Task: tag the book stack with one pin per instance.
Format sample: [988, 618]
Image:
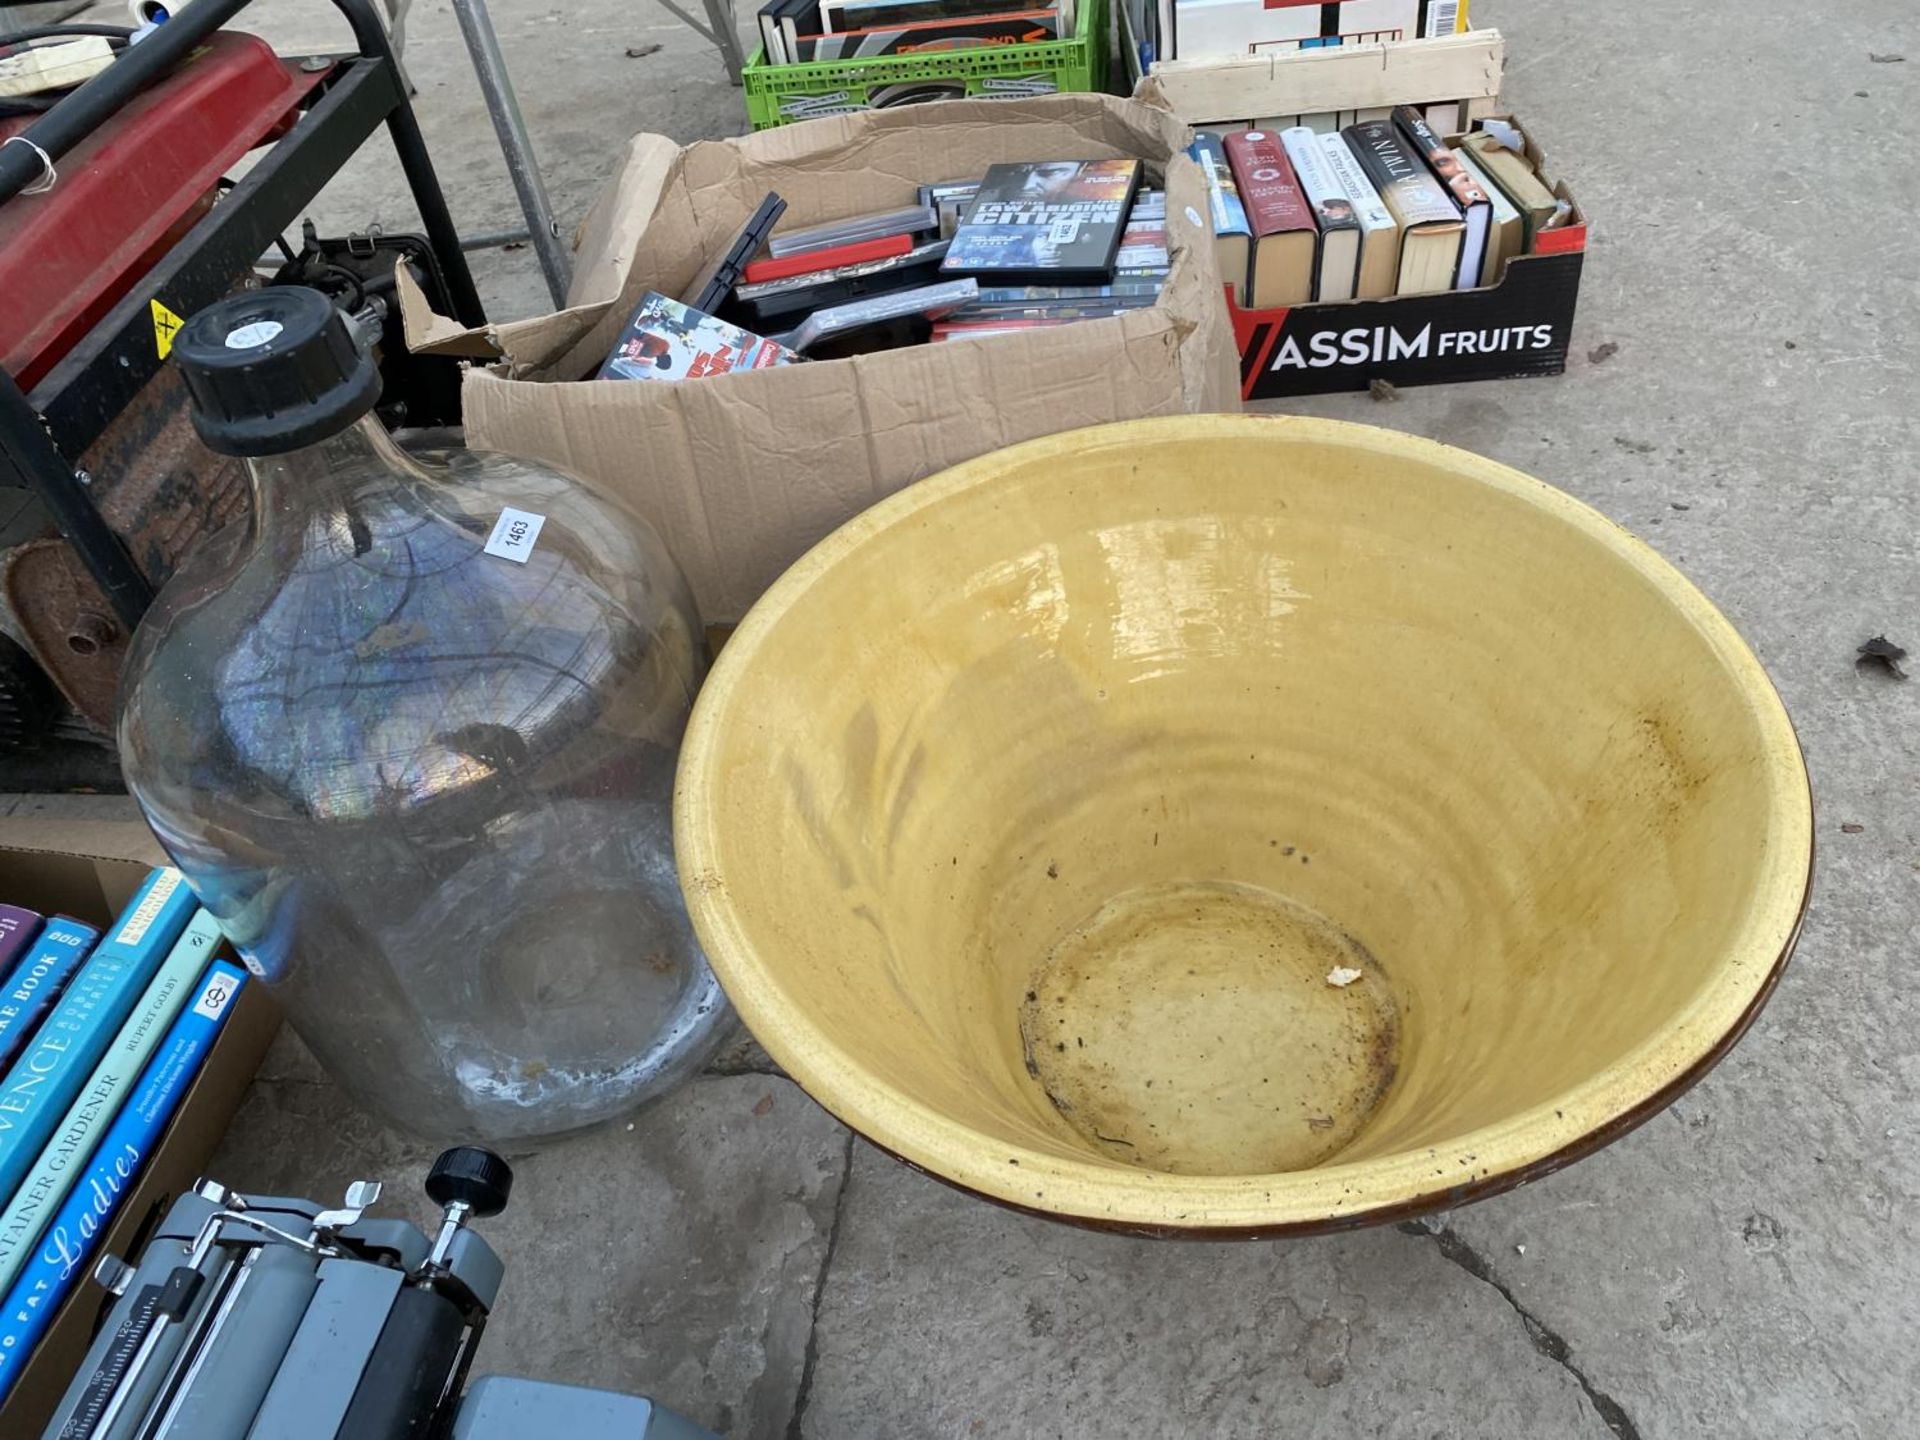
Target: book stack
[100, 1039]
[1020, 247]
[1382, 208]
[797, 32]
[1206, 29]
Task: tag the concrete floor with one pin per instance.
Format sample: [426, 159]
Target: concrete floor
[1747, 1264]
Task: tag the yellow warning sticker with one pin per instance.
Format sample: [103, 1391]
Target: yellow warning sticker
[166, 325]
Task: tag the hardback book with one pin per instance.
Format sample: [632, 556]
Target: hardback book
[772, 40]
[37, 979]
[838, 17]
[711, 287]
[65, 1253]
[1507, 237]
[1431, 228]
[666, 340]
[1232, 234]
[1257, 27]
[814, 262]
[70, 1146]
[1337, 276]
[935, 37]
[1286, 242]
[1379, 231]
[18, 926]
[1045, 223]
[929, 300]
[1466, 191]
[1513, 172]
[55, 1064]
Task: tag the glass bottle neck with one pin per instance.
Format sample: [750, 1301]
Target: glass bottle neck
[324, 477]
[329, 471]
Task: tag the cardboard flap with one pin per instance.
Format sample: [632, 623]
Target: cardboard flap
[430, 333]
[608, 239]
[93, 839]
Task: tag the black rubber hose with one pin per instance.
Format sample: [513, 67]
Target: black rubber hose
[62, 32]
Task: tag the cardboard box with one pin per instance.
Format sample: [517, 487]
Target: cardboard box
[742, 473]
[1517, 328]
[1464, 70]
[90, 870]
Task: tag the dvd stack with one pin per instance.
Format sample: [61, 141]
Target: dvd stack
[1022, 247]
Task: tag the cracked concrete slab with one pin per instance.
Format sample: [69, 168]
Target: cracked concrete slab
[675, 1256]
[945, 1316]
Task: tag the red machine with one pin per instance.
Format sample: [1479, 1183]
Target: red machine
[130, 191]
[118, 222]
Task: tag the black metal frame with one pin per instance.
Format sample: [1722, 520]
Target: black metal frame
[96, 380]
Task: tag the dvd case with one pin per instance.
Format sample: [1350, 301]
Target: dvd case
[910, 220]
[932, 300]
[1051, 222]
[666, 340]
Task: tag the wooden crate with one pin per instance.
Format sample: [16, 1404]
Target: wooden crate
[1463, 69]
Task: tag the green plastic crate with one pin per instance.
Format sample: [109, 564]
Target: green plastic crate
[782, 94]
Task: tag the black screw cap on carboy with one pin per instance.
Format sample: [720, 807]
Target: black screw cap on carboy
[479, 1178]
[273, 370]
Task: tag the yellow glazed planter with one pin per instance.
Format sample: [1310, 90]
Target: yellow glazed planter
[1241, 826]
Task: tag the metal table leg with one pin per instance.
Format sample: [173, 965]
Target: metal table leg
[719, 30]
[490, 67]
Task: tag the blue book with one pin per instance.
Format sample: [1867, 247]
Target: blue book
[66, 1250]
[37, 981]
[54, 1067]
[67, 1153]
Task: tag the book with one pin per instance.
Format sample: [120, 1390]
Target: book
[1431, 229]
[1258, 27]
[934, 37]
[18, 926]
[56, 1062]
[666, 340]
[1507, 237]
[813, 262]
[1474, 206]
[1232, 234]
[70, 1147]
[1513, 173]
[782, 22]
[908, 220]
[772, 37]
[877, 310]
[840, 16]
[62, 1259]
[1379, 231]
[1286, 242]
[37, 980]
[1049, 222]
[1337, 276]
[711, 287]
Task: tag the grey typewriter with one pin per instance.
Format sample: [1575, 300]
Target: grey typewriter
[254, 1318]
